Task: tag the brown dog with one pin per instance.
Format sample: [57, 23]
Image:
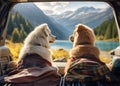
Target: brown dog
[83, 39]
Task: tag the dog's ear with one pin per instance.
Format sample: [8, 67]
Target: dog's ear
[46, 30]
[71, 38]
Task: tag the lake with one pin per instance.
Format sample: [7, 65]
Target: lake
[102, 45]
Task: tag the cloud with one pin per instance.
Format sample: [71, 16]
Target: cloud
[64, 4]
[56, 7]
[59, 7]
[53, 3]
[43, 6]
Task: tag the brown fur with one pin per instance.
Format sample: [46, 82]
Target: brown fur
[83, 39]
[82, 35]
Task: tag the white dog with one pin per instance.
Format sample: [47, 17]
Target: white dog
[37, 42]
[35, 64]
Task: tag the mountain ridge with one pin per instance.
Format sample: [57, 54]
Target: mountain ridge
[92, 19]
[63, 25]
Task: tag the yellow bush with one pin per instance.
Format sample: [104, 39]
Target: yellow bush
[14, 49]
[57, 53]
[105, 59]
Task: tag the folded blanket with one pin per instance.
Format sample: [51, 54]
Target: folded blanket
[88, 71]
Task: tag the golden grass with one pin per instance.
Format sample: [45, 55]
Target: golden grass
[14, 49]
[56, 53]
[105, 59]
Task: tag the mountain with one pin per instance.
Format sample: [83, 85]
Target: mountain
[87, 9]
[36, 17]
[85, 15]
[62, 25]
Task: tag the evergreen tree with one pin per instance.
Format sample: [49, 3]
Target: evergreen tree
[23, 34]
[15, 36]
[10, 24]
[108, 32]
[115, 31]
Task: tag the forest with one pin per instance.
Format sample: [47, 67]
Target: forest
[18, 27]
[107, 30]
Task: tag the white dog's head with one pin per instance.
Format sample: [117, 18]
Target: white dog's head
[41, 35]
[44, 31]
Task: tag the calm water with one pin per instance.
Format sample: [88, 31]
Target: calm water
[102, 45]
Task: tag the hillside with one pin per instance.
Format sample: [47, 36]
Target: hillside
[36, 17]
[107, 30]
[18, 27]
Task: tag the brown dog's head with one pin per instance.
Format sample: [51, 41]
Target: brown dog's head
[82, 35]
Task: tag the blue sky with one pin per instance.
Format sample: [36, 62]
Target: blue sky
[59, 7]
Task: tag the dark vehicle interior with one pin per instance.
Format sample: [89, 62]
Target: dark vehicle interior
[7, 5]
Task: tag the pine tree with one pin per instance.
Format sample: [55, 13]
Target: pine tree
[15, 36]
[115, 33]
[23, 34]
[108, 33]
[10, 24]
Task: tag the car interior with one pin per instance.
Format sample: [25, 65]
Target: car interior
[13, 12]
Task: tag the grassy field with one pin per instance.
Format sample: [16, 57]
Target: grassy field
[56, 53]
[14, 48]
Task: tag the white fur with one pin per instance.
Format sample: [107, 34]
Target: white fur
[115, 51]
[40, 35]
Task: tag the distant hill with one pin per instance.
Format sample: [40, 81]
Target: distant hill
[107, 30]
[36, 17]
[86, 15]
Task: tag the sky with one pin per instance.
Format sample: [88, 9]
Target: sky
[59, 7]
